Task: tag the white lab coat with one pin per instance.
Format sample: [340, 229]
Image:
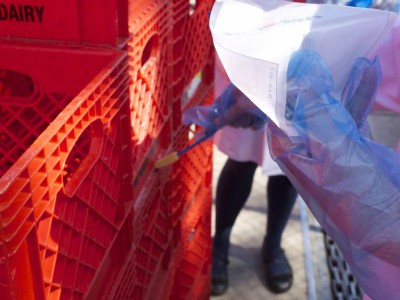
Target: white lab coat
[242, 144]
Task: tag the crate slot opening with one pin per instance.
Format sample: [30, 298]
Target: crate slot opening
[83, 157]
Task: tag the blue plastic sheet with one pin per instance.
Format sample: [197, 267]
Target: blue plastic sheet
[350, 183]
[360, 3]
[389, 5]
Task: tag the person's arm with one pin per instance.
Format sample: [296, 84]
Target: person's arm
[232, 108]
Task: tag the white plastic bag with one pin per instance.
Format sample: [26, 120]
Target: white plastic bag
[255, 38]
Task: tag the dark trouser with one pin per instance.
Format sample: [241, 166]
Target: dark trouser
[233, 189]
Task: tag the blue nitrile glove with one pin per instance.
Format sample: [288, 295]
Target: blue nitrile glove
[232, 108]
[350, 183]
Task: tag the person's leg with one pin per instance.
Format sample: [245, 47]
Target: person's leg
[233, 189]
[281, 198]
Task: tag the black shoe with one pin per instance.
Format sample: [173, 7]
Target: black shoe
[278, 272]
[219, 275]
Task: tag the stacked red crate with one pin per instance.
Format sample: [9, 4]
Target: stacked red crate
[192, 278]
[136, 266]
[150, 71]
[192, 52]
[65, 155]
[85, 114]
[192, 80]
[36, 83]
[63, 200]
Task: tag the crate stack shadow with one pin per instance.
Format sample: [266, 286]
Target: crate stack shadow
[91, 95]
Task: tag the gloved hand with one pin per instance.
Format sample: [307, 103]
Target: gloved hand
[232, 108]
[350, 183]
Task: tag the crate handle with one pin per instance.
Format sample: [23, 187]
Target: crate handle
[150, 54]
[16, 88]
[88, 162]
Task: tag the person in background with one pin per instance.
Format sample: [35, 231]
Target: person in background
[246, 150]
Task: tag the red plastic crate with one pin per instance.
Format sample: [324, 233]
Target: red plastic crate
[147, 230]
[149, 255]
[65, 21]
[188, 172]
[198, 92]
[194, 92]
[191, 43]
[187, 176]
[150, 241]
[192, 279]
[36, 83]
[83, 212]
[157, 80]
[149, 51]
[65, 199]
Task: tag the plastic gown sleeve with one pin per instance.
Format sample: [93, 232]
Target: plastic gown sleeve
[350, 183]
[232, 108]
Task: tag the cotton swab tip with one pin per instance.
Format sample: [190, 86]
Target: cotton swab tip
[167, 160]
